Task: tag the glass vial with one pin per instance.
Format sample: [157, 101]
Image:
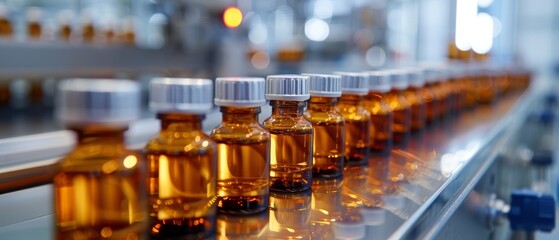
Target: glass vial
[415, 98]
[34, 27]
[6, 27]
[401, 109]
[434, 100]
[328, 125]
[99, 191]
[243, 170]
[291, 134]
[381, 114]
[181, 161]
[65, 18]
[357, 119]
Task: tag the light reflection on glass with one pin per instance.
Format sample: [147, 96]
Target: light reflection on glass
[326, 203]
[290, 215]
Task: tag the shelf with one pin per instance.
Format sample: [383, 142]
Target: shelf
[409, 195]
[40, 60]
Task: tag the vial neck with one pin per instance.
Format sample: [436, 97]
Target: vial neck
[240, 115]
[322, 104]
[351, 99]
[180, 122]
[100, 134]
[288, 108]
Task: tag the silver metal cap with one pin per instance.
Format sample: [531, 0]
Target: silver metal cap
[398, 79]
[287, 87]
[324, 85]
[379, 81]
[239, 92]
[415, 77]
[103, 101]
[185, 95]
[354, 83]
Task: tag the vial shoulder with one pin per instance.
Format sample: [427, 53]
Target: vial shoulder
[330, 117]
[192, 143]
[245, 132]
[299, 124]
[97, 160]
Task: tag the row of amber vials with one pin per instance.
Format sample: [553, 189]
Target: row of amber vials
[100, 190]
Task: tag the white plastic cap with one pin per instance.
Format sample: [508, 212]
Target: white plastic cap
[324, 85]
[415, 77]
[379, 81]
[185, 95]
[354, 83]
[103, 101]
[239, 92]
[287, 87]
[398, 79]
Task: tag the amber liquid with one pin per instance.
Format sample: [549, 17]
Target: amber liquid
[290, 215]
[381, 124]
[291, 160]
[431, 104]
[401, 127]
[402, 118]
[88, 32]
[104, 203]
[417, 109]
[34, 30]
[328, 161]
[65, 32]
[485, 89]
[243, 175]
[357, 141]
[182, 194]
[5, 28]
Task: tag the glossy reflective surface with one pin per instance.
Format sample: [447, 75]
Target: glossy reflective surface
[378, 200]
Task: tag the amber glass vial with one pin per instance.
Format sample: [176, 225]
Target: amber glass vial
[99, 191]
[414, 96]
[434, 100]
[328, 125]
[34, 27]
[181, 161]
[357, 119]
[291, 134]
[469, 85]
[486, 89]
[243, 170]
[381, 113]
[6, 28]
[65, 18]
[398, 102]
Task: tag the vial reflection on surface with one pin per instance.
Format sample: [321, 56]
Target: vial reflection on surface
[242, 227]
[290, 215]
[326, 206]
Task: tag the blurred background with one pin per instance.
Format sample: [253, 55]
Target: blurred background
[43, 41]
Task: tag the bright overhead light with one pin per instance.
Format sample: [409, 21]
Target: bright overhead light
[232, 17]
[466, 12]
[316, 29]
[482, 40]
